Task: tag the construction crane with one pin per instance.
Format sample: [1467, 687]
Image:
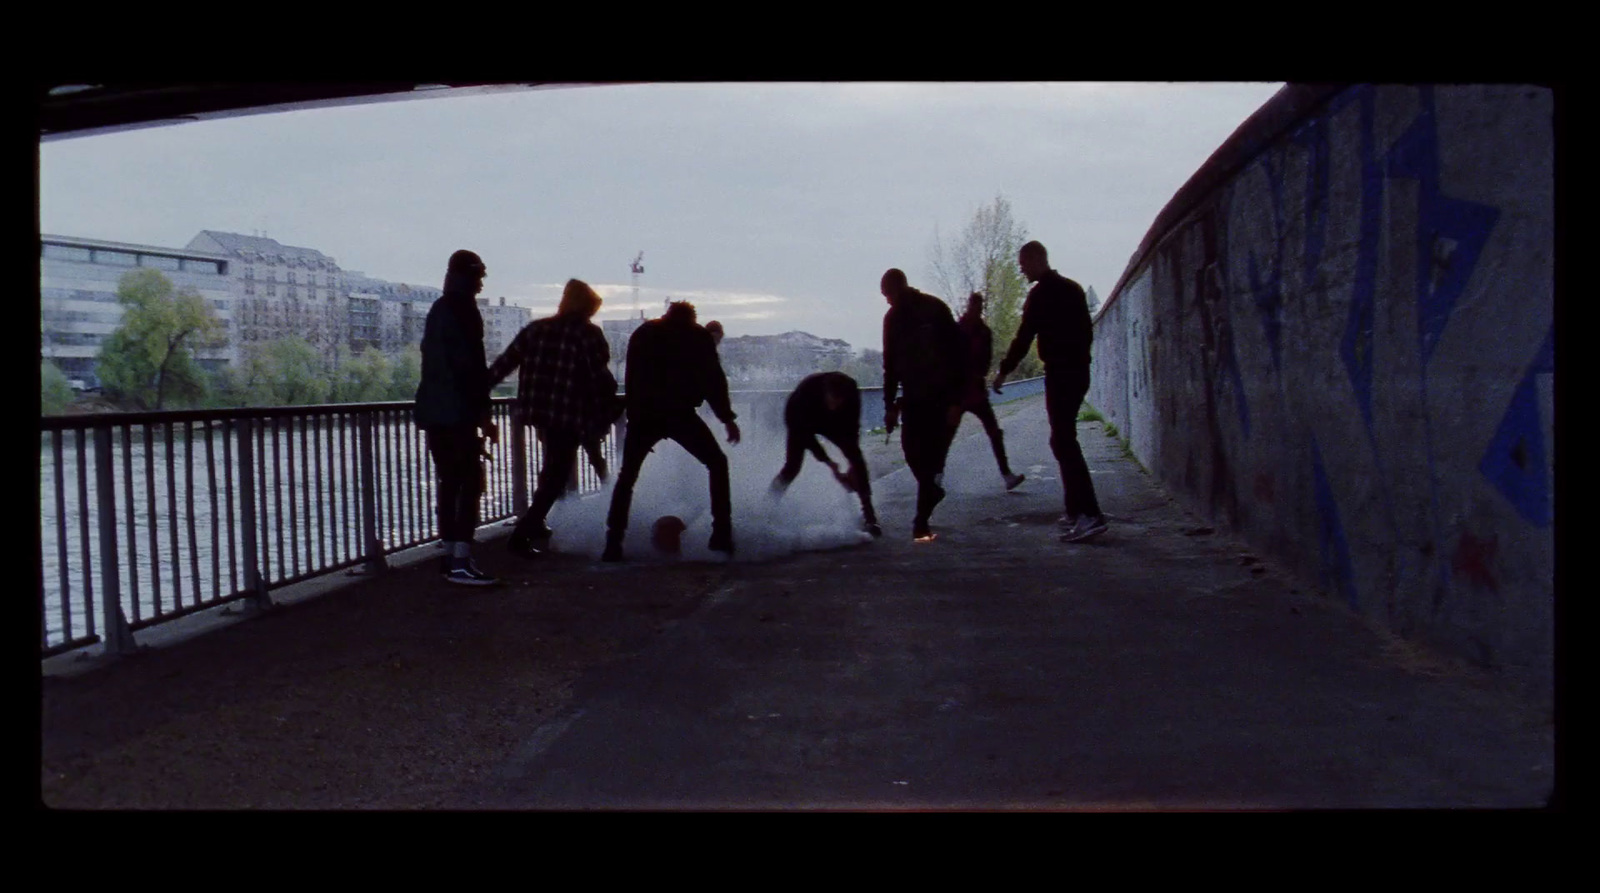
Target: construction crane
[637, 267]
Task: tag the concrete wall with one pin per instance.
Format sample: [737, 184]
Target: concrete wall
[1338, 341]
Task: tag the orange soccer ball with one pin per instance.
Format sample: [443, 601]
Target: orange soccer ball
[666, 534]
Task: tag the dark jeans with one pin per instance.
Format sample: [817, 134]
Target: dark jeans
[459, 472]
[1063, 394]
[991, 427]
[690, 431]
[560, 450]
[848, 440]
[925, 436]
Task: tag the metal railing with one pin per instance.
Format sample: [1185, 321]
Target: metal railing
[146, 517]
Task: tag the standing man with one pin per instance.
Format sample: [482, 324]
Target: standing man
[829, 404]
[974, 393]
[452, 406]
[924, 353]
[1058, 312]
[566, 392]
[672, 369]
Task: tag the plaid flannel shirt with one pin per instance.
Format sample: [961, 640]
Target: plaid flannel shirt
[565, 382]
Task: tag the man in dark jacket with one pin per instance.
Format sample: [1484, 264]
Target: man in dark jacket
[672, 369]
[924, 354]
[566, 391]
[975, 391]
[1057, 311]
[452, 406]
[829, 404]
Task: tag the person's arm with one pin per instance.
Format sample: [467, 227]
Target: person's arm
[1019, 344]
[508, 360]
[716, 385]
[891, 383]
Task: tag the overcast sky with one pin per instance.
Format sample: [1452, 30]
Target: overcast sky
[774, 207]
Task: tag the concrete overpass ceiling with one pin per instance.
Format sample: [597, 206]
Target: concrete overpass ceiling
[74, 110]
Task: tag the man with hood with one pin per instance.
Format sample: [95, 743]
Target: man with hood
[452, 406]
[565, 391]
[672, 369]
[924, 353]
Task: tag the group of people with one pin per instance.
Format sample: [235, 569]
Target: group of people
[934, 369]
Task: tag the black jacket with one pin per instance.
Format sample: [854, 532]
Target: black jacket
[454, 391]
[1057, 311]
[924, 351]
[672, 368]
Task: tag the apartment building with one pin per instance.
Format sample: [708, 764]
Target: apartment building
[78, 306]
[282, 291]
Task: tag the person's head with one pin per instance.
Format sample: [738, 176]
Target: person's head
[1033, 261]
[578, 299]
[715, 328]
[975, 304]
[892, 284]
[679, 313]
[465, 273]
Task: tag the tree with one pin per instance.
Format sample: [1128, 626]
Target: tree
[866, 368]
[151, 354]
[361, 378]
[55, 392]
[984, 259]
[289, 373]
[405, 373]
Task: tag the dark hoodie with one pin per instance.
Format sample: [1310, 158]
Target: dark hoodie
[673, 367]
[454, 391]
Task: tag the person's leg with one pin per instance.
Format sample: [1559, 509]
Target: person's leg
[850, 445]
[1064, 392]
[458, 468]
[997, 438]
[920, 440]
[636, 445]
[692, 433]
[560, 454]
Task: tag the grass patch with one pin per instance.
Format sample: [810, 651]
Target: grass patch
[1090, 414]
[1112, 430]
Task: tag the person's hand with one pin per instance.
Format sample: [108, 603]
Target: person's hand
[733, 432]
[491, 431]
[998, 380]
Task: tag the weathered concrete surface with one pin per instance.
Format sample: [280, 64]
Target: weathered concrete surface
[1343, 349]
[1159, 667]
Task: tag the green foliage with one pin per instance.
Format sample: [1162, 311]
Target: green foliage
[984, 259]
[288, 372]
[55, 393]
[405, 373]
[361, 378]
[149, 359]
[1090, 414]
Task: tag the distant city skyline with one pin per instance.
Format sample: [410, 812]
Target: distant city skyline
[774, 207]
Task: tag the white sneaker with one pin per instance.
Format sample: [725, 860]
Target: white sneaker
[1087, 526]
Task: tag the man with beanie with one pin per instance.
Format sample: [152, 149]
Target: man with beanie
[672, 369]
[566, 391]
[924, 353]
[452, 407]
[1057, 311]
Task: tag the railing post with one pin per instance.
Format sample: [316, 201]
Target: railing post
[372, 547]
[519, 463]
[118, 637]
[259, 599]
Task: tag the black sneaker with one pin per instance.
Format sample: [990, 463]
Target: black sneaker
[1014, 480]
[922, 533]
[874, 529]
[613, 551]
[469, 575]
[1088, 526]
[522, 547]
[721, 541]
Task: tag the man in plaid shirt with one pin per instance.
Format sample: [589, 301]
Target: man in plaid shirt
[566, 391]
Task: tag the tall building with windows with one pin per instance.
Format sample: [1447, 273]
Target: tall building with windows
[283, 291]
[78, 306]
[501, 323]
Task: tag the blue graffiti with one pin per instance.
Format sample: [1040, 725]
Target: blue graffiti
[1451, 233]
[1335, 550]
[1356, 347]
[1515, 462]
[1314, 138]
[1230, 366]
